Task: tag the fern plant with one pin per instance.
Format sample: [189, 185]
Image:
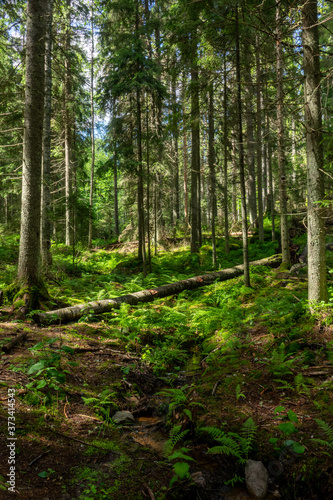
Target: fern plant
[232, 443]
[179, 402]
[328, 430]
[182, 468]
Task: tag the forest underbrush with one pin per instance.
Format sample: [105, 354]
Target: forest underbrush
[208, 378]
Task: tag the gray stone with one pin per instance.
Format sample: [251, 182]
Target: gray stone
[122, 416]
[199, 479]
[256, 478]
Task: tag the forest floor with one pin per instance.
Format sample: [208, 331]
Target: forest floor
[210, 377]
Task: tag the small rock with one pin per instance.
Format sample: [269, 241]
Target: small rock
[199, 479]
[256, 478]
[295, 269]
[122, 416]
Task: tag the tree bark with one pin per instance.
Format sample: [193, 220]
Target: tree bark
[241, 160]
[29, 252]
[92, 108]
[185, 157]
[68, 135]
[195, 151]
[259, 143]
[317, 286]
[251, 184]
[115, 195]
[46, 226]
[102, 306]
[212, 175]
[225, 157]
[280, 141]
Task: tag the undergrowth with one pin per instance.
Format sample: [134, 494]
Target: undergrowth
[224, 349]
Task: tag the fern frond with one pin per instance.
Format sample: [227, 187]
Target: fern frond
[322, 442]
[180, 454]
[248, 431]
[215, 432]
[327, 429]
[175, 436]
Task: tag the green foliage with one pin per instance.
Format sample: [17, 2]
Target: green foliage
[328, 430]
[103, 404]
[280, 362]
[47, 373]
[180, 402]
[287, 428]
[231, 443]
[181, 469]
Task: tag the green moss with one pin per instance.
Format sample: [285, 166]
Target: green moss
[285, 266]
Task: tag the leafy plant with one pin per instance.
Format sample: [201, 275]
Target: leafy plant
[103, 404]
[47, 371]
[287, 428]
[46, 473]
[179, 402]
[328, 430]
[181, 469]
[233, 444]
[280, 362]
[239, 393]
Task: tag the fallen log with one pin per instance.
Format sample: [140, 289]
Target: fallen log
[16, 340]
[74, 313]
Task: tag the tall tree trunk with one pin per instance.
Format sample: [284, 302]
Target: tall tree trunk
[317, 286]
[92, 110]
[68, 134]
[241, 160]
[225, 160]
[185, 159]
[175, 134]
[251, 185]
[29, 251]
[280, 141]
[211, 162]
[46, 225]
[195, 153]
[234, 182]
[270, 203]
[115, 195]
[259, 143]
[148, 188]
[141, 214]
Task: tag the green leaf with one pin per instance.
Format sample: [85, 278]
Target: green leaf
[298, 448]
[37, 347]
[70, 350]
[279, 409]
[287, 428]
[179, 454]
[41, 384]
[43, 474]
[173, 480]
[288, 442]
[273, 440]
[37, 366]
[188, 413]
[292, 416]
[181, 469]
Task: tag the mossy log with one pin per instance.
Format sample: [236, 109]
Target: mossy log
[74, 313]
